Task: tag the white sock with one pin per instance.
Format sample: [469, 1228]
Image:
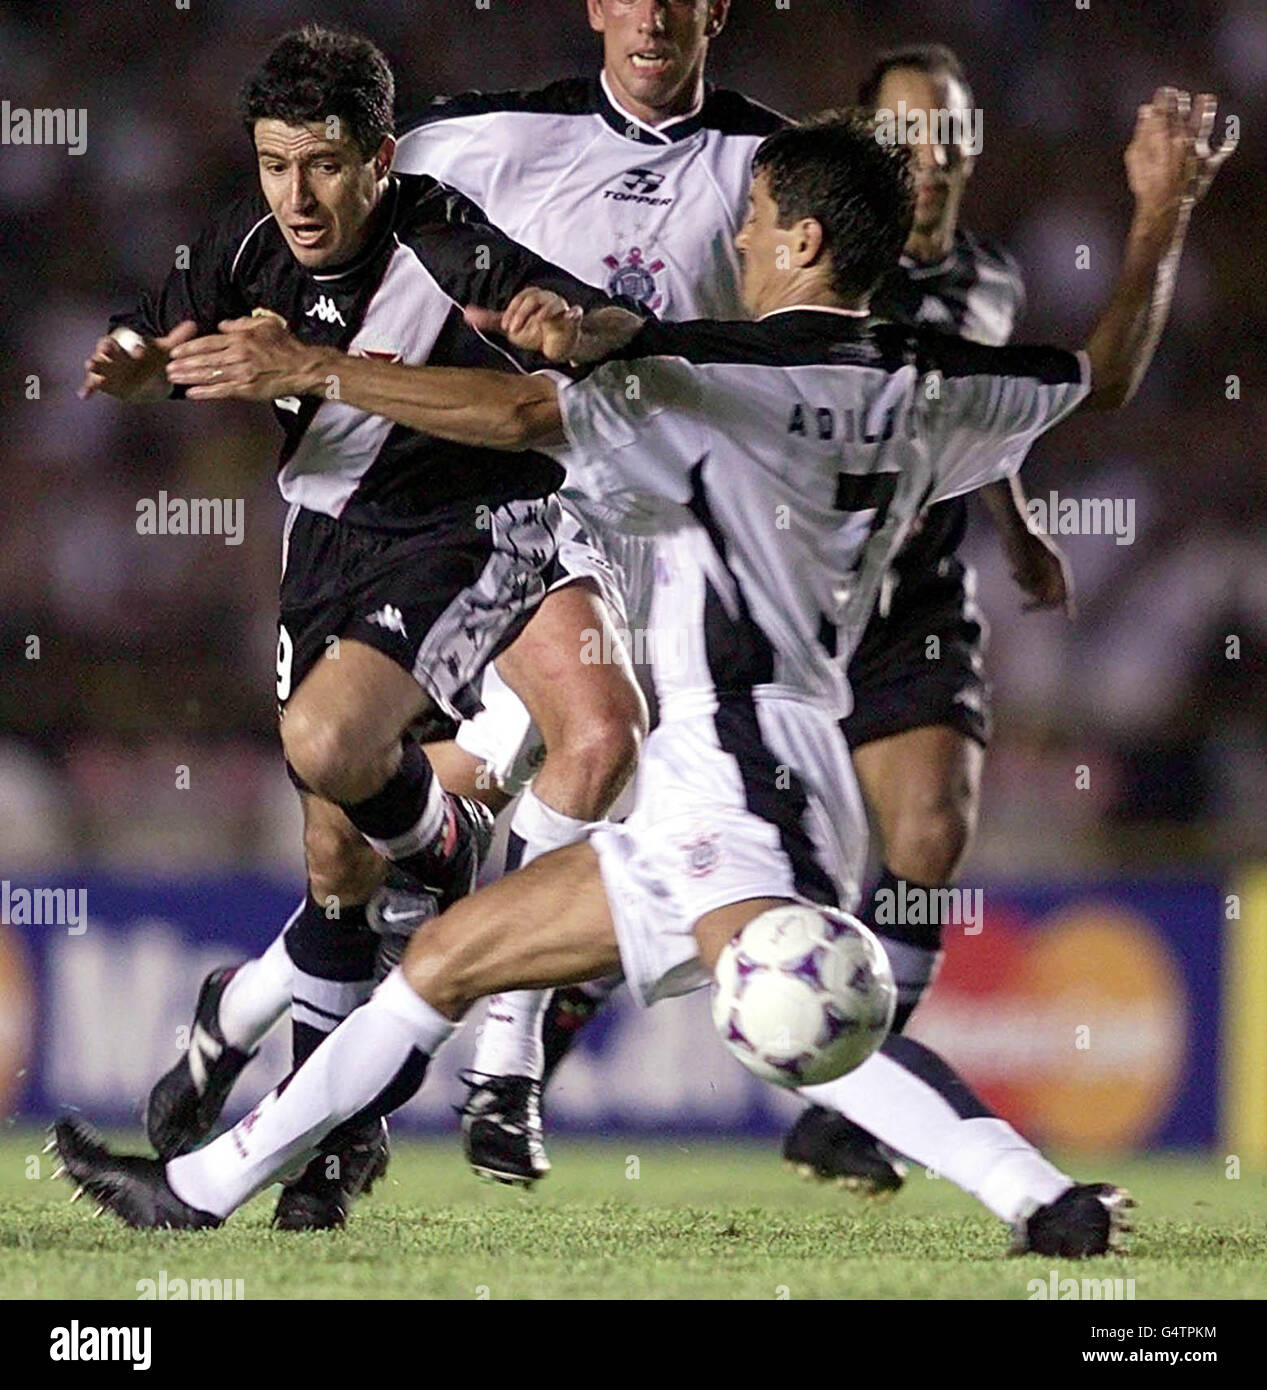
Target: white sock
[542, 828]
[350, 1068]
[509, 1041]
[257, 995]
[985, 1156]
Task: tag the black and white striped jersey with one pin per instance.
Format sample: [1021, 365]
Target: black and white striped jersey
[976, 292]
[646, 212]
[780, 465]
[401, 299]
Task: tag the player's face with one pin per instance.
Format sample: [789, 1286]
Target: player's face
[941, 171]
[321, 191]
[654, 50]
[764, 247]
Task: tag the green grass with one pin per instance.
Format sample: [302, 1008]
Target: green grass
[699, 1221]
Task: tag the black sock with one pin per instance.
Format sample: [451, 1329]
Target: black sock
[334, 972]
[410, 820]
[913, 949]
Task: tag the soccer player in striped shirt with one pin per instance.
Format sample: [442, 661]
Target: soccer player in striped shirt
[406, 558]
[635, 180]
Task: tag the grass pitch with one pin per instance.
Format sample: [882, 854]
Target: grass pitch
[630, 1220]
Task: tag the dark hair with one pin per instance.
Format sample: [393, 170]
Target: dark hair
[314, 73]
[933, 58]
[833, 168]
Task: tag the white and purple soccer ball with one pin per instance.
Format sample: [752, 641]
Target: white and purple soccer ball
[803, 995]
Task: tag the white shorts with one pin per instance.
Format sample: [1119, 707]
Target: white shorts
[757, 800]
[502, 735]
[630, 554]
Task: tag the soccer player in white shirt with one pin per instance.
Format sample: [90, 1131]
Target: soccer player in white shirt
[634, 180]
[700, 433]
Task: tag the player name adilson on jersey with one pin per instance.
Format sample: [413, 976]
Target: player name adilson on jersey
[45, 125]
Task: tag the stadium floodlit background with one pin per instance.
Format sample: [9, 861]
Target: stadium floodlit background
[1130, 907]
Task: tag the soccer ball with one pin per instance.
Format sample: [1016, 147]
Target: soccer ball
[803, 994]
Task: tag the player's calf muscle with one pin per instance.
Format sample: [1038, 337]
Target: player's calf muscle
[923, 787]
[462, 774]
[590, 761]
[340, 864]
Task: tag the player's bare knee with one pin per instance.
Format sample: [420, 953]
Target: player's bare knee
[612, 739]
[329, 754]
[596, 756]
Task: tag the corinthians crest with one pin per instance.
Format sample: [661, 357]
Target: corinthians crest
[703, 854]
[634, 278]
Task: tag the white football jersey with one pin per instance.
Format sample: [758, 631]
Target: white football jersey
[779, 465]
[647, 212]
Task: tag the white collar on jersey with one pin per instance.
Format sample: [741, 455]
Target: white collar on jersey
[663, 133]
[817, 309]
[386, 213]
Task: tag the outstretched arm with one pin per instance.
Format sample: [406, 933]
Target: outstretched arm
[259, 360]
[1037, 564]
[1170, 166]
[540, 321]
[495, 410]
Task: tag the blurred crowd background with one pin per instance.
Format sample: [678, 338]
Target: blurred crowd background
[158, 652]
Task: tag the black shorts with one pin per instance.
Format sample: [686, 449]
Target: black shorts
[901, 681]
[441, 600]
